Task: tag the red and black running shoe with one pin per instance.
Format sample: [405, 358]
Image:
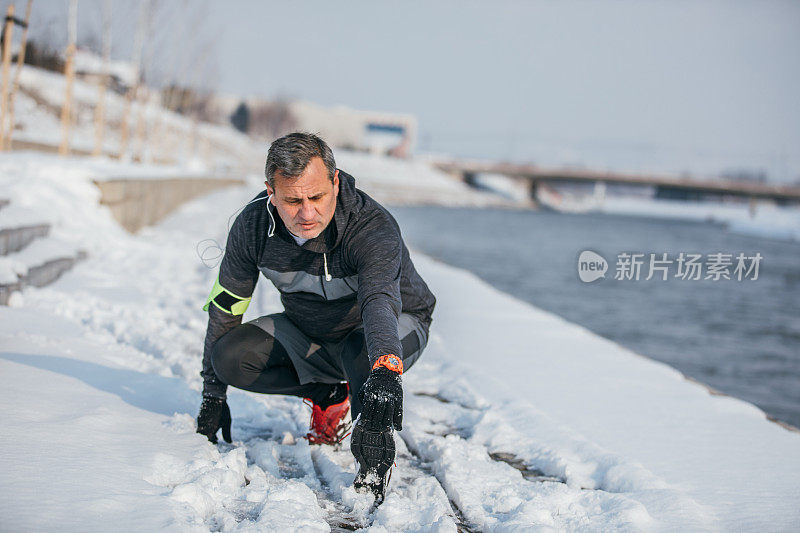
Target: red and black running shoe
[329, 425]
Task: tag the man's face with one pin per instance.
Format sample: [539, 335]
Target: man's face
[306, 203]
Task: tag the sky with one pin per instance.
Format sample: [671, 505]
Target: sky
[683, 86]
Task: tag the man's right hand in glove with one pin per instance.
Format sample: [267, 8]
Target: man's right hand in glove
[372, 442]
[382, 395]
[214, 415]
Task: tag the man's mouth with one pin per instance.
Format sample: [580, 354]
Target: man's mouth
[307, 225]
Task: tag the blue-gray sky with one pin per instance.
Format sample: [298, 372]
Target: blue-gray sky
[699, 86]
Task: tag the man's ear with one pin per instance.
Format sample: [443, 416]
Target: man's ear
[270, 190]
[336, 183]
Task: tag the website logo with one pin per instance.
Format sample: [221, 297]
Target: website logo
[591, 266]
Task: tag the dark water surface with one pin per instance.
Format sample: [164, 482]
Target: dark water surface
[741, 337]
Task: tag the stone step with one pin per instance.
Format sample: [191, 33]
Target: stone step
[15, 239]
[37, 265]
[19, 227]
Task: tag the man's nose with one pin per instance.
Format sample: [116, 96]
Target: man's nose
[307, 210]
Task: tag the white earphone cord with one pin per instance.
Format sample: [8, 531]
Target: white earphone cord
[212, 262]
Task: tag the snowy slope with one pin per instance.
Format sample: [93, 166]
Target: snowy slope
[515, 419]
[170, 136]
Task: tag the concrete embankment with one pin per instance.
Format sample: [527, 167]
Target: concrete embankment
[139, 202]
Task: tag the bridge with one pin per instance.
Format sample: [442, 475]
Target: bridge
[677, 187]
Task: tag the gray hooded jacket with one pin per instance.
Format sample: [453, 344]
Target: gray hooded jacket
[356, 272]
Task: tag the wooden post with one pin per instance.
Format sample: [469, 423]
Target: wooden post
[132, 93]
[15, 85]
[124, 125]
[160, 133]
[142, 125]
[69, 74]
[99, 111]
[66, 109]
[194, 138]
[139, 133]
[6, 64]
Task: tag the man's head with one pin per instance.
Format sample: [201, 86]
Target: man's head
[303, 181]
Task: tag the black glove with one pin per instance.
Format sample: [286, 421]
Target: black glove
[214, 414]
[382, 398]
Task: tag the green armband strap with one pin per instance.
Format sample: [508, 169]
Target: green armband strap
[226, 301]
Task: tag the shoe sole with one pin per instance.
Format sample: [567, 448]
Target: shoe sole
[374, 453]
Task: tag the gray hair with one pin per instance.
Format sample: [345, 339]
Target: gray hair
[291, 154]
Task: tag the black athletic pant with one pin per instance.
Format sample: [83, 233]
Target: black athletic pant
[250, 358]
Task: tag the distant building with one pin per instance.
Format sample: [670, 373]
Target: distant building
[369, 131]
[366, 131]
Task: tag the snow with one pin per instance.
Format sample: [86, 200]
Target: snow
[81, 438]
[721, 452]
[762, 220]
[13, 216]
[515, 419]
[515, 190]
[89, 62]
[398, 181]
[770, 222]
[36, 253]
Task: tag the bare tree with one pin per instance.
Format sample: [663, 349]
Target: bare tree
[270, 120]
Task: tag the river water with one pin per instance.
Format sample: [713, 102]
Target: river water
[740, 337]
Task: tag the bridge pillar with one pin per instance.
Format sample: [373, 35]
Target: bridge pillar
[470, 178]
[533, 186]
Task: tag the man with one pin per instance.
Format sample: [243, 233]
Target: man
[356, 313]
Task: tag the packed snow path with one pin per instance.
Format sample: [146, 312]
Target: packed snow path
[102, 388]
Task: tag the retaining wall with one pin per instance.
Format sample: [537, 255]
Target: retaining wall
[136, 203]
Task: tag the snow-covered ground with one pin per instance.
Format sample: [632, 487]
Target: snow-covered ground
[515, 418]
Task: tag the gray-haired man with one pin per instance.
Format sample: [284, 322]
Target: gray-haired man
[356, 313]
